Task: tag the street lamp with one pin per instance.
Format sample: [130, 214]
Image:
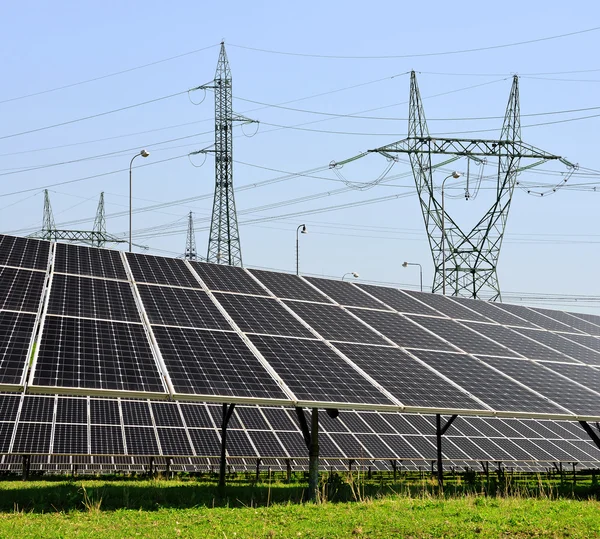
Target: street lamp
[298, 231]
[406, 264]
[353, 273]
[453, 175]
[143, 153]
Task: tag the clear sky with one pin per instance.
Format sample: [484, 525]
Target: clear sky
[551, 244]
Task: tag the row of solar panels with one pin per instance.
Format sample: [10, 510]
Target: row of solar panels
[137, 325]
[90, 426]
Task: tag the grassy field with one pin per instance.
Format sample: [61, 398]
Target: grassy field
[193, 508]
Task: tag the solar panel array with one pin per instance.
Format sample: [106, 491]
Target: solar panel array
[82, 321]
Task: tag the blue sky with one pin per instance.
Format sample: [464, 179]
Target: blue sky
[551, 242]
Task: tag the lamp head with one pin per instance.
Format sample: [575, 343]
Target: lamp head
[405, 264]
[355, 275]
[456, 174]
[144, 153]
[304, 231]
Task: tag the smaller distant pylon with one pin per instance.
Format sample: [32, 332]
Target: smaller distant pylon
[190, 244]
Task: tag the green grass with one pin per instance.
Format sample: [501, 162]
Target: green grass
[410, 507]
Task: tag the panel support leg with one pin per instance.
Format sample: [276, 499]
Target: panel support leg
[227, 413]
[26, 459]
[257, 470]
[440, 430]
[288, 466]
[395, 469]
[313, 455]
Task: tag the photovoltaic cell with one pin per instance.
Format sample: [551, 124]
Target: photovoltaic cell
[446, 306]
[535, 317]
[406, 379]
[79, 260]
[400, 446]
[488, 310]
[136, 413]
[227, 278]
[6, 431]
[572, 396]
[582, 374]
[213, 363]
[375, 446]
[267, 444]
[71, 410]
[587, 341]
[327, 448]
[205, 441]
[287, 286]
[350, 445]
[104, 412]
[16, 330]
[293, 444]
[95, 354]
[251, 418]
[160, 270]
[70, 439]
[261, 315]
[570, 320]
[496, 390]
[141, 441]
[85, 297]
[314, 372]
[279, 419]
[399, 423]
[20, 289]
[32, 438]
[517, 342]
[401, 330]
[196, 416]
[345, 293]
[591, 318]
[463, 338]
[24, 252]
[423, 446]
[557, 342]
[353, 422]
[174, 442]
[333, 323]
[216, 411]
[166, 414]
[181, 307]
[397, 299]
[376, 422]
[37, 409]
[9, 404]
[106, 440]
[238, 444]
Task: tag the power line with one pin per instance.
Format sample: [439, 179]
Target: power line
[418, 55]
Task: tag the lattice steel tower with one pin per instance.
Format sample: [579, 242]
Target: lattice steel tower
[224, 239]
[190, 242]
[465, 263]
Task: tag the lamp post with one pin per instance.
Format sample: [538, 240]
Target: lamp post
[298, 231]
[353, 273]
[143, 153]
[406, 264]
[453, 175]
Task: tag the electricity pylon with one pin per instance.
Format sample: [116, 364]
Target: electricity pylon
[465, 262]
[224, 238]
[190, 243]
[98, 237]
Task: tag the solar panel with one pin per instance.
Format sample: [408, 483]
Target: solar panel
[216, 411]
[181, 307]
[333, 323]
[16, 332]
[345, 293]
[350, 445]
[463, 338]
[238, 444]
[136, 413]
[104, 412]
[141, 441]
[6, 432]
[205, 441]
[423, 446]
[9, 405]
[565, 346]
[95, 354]
[32, 438]
[535, 317]
[517, 342]
[71, 410]
[491, 387]
[488, 310]
[70, 439]
[261, 315]
[174, 441]
[85, 297]
[266, 443]
[293, 442]
[252, 418]
[446, 306]
[279, 419]
[566, 393]
[406, 379]
[79, 260]
[24, 252]
[376, 422]
[375, 446]
[161, 270]
[196, 415]
[166, 414]
[397, 299]
[570, 320]
[287, 286]
[403, 331]
[353, 422]
[227, 278]
[38, 409]
[106, 440]
[582, 374]
[591, 318]
[315, 372]
[214, 363]
[584, 340]
[20, 289]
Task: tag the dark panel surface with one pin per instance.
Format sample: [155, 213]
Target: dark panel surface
[181, 307]
[86, 297]
[9, 404]
[401, 330]
[375, 446]
[6, 432]
[37, 409]
[571, 320]
[80, 260]
[106, 440]
[446, 306]
[261, 315]
[70, 439]
[251, 418]
[141, 441]
[96, 354]
[293, 443]
[206, 442]
[227, 278]
[32, 438]
[160, 270]
[24, 252]
[238, 444]
[213, 363]
[494, 389]
[287, 286]
[535, 317]
[344, 293]
[314, 372]
[16, 330]
[279, 419]
[71, 410]
[462, 337]
[267, 444]
[333, 323]
[376, 422]
[166, 414]
[174, 442]
[405, 378]
[351, 447]
[136, 413]
[488, 310]
[104, 412]
[196, 416]
[397, 299]
[400, 446]
[20, 289]
[572, 396]
[582, 374]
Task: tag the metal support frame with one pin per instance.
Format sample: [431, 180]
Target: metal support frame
[465, 262]
[590, 432]
[440, 430]
[227, 413]
[311, 439]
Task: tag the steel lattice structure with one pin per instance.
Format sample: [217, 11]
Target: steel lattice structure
[465, 262]
[224, 238]
[190, 243]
